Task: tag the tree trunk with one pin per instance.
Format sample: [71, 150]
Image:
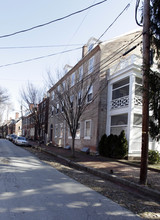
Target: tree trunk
[73, 142]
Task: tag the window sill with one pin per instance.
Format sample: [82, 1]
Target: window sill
[87, 138]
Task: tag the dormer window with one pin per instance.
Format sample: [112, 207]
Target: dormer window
[92, 43]
[90, 47]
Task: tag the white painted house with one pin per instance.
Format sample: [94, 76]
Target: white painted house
[125, 103]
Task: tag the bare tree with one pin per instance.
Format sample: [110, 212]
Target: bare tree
[49, 80]
[31, 97]
[71, 98]
[3, 96]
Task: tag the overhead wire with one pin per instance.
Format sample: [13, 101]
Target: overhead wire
[105, 60]
[38, 58]
[41, 57]
[136, 10]
[126, 7]
[62, 52]
[113, 55]
[38, 46]
[53, 21]
[76, 31]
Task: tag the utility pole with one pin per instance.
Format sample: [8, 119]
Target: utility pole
[145, 104]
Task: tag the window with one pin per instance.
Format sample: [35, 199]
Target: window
[87, 129]
[90, 47]
[78, 131]
[119, 120]
[52, 95]
[120, 89]
[80, 73]
[62, 107]
[72, 79]
[56, 130]
[118, 123]
[90, 94]
[69, 134]
[137, 119]
[61, 130]
[138, 86]
[63, 86]
[71, 100]
[91, 65]
[52, 110]
[57, 108]
[79, 98]
[58, 88]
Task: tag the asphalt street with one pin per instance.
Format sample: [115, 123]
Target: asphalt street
[32, 190]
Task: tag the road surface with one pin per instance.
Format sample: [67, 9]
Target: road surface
[32, 190]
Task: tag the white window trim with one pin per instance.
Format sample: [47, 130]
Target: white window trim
[127, 84]
[80, 73]
[79, 97]
[52, 95]
[63, 86]
[58, 88]
[73, 79]
[91, 65]
[90, 92]
[87, 137]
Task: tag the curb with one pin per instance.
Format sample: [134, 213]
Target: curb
[145, 190]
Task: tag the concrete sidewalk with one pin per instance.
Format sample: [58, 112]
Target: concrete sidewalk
[113, 170]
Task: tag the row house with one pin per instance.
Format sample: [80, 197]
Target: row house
[111, 73]
[35, 122]
[43, 119]
[11, 126]
[28, 126]
[18, 127]
[115, 97]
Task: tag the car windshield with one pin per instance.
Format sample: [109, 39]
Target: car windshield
[22, 138]
[13, 135]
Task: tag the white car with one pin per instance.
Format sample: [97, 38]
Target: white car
[21, 141]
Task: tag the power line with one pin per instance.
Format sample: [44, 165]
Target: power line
[53, 21]
[128, 5]
[78, 28]
[108, 61]
[113, 57]
[38, 58]
[136, 10]
[49, 55]
[39, 46]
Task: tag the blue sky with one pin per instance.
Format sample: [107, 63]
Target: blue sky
[18, 15]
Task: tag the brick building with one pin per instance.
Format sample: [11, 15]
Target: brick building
[115, 95]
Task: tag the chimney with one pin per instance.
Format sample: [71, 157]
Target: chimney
[84, 50]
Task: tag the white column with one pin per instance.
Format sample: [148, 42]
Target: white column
[131, 111]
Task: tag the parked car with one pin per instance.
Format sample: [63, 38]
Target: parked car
[21, 141]
[12, 137]
[8, 136]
